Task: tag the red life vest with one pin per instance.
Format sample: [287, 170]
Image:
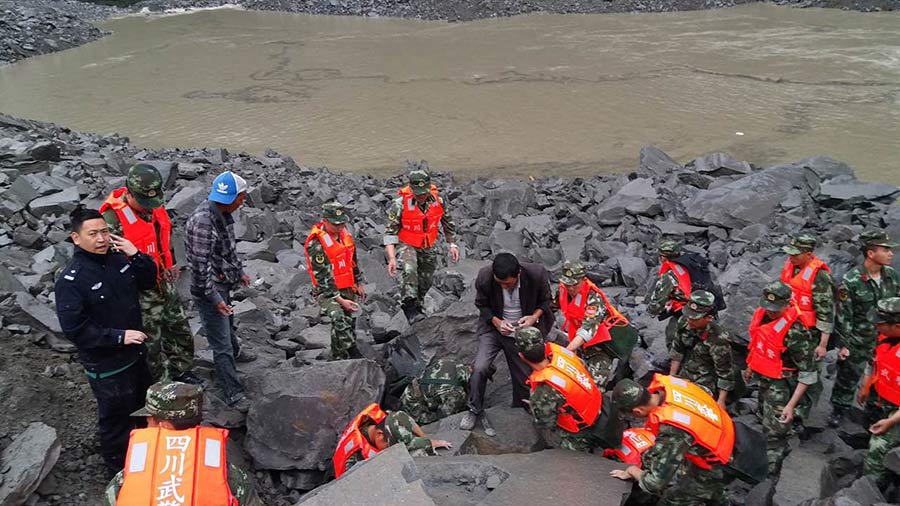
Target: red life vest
[340, 254]
[635, 441]
[886, 371]
[142, 233]
[688, 407]
[567, 375]
[414, 230]
[802, 285]
[684, 282]
[352, 440]
[165, 467]
[575, 310]
[767, 342]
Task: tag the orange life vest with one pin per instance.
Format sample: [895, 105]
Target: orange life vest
[575, 310]
[340, 254]
[635, 441]
[567, 375]
[802, 285]
[142, 233]
[165, 467]
[767, 342]
[688, 407]
[418, 229]
[352, 440]
[684, 282]
[886, 371]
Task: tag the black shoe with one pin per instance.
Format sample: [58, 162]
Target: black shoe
[834, 421]
[191, 378]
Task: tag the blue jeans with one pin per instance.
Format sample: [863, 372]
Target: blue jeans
[219, 330]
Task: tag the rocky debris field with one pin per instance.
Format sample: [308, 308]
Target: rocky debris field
[732, 211]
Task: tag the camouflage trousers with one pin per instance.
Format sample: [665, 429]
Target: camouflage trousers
[416, 268]
[849, 372]
[879, 446]
[427, 403]
[343, 325]
[696, 487]
[599, 364]
[170, 345]
[671, 328]
[773, 397]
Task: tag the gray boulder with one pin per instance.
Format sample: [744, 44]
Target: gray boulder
[892, 461]
[58, 203]
[800, 475]
[719, 164]
[26, 462]
[636, 197]
[864, 491]
[655, 162]
[845, 195]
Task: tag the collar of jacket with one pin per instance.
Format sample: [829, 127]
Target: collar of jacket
[93, 257]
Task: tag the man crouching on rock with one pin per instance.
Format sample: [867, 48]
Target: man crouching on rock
[567, 406]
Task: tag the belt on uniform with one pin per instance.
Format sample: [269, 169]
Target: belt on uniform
[104, 375]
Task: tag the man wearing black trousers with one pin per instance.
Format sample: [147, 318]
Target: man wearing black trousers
[508, 295]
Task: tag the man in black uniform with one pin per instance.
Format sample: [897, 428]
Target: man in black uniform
[98, 310]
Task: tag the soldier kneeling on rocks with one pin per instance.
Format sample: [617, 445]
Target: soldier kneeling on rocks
[440, 391]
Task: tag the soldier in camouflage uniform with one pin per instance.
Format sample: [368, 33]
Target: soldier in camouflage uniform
[398, 427]
[440, 391]
[701, 349]
[666, 291]
[337, 304]
[780, 399]
[666, 458]
[177, 406]
[885, 431]
[860, 289]
[411, 246]
[170, 345]
[546, 402]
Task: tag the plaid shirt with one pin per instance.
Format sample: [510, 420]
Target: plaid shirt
[210, 249]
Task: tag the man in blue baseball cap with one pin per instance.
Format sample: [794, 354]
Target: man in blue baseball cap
[216, 270]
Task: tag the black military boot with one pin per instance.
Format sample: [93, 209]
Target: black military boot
[837, 415]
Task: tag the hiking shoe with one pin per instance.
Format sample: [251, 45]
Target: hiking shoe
[245, 356]
[239, 403]
[191, 378]
[486, 425]
[468, 421]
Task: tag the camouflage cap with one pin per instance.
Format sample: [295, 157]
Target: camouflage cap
[800, 243]
[145, 184]
[527, 338]
[888, 310]
[172, 401]
[335, 212]
[669, 248]
[699, 305]
[628, 395]
[776, 296]
[420, 182]
[572, 272]
[876, 238]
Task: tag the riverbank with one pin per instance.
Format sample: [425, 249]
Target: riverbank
[33, 27]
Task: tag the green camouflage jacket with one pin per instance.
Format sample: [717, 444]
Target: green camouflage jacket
[857, 296]
[399, 429]
[441, 388]
[324, 273]
[391, 233]
[662, 461]
[666, 289]
[705, 356]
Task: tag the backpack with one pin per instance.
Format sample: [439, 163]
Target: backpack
[701, 278]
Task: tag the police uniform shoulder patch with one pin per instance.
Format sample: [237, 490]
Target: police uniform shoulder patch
[71, 272]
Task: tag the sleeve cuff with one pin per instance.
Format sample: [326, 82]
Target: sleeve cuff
[675, 356]
[826, 327]
[391, 239]
[583, 334]
[808, 377]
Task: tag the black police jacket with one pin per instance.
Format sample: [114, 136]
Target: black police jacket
[97, 301]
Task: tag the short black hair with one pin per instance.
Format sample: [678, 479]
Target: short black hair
[505, 266]
[80, 215]
[535, 354]
[186, 423]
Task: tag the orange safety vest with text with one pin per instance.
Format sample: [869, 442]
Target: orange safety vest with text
[567, 375]
[635, 441]
[352, 440]
[767, 342]
[165, 467]
[802, 285]
[886, 371]
[142, 233]
[684, 282]
[576, 309]
[340, 254]
[688, 407]
[418, 229]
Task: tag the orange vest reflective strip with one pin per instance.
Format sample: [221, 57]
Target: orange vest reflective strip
[886, 371]
[684, 282]
[767, 342]
[340, 254]
[142, 233]
[176, 467]
[802, 285]
[418, 229]
[688, 407]
[352, 440]
[567, 375]
[635, 441]
[575, 309]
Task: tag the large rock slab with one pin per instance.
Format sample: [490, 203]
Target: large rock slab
[636, 197]
[26, 462]
[297, 414]
[848, 194]
[800, 475]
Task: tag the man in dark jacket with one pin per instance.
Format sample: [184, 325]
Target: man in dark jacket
[508, 295]
[98, 309]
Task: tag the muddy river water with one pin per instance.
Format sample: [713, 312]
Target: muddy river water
[530, 95]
